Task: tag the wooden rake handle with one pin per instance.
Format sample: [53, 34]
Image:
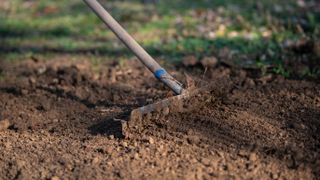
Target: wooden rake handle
[142, 55]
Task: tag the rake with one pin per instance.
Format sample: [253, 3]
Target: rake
[138, 117]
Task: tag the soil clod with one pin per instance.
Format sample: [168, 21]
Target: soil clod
[70, 120]
[4, 124]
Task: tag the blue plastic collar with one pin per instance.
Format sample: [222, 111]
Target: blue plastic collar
[159, 73]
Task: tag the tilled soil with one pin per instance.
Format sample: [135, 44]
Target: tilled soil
[63, 119]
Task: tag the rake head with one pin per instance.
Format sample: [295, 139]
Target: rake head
[142, 118]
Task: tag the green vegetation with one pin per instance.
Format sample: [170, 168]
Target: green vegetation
[266, 34]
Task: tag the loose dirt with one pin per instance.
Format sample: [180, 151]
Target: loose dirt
[62, 119]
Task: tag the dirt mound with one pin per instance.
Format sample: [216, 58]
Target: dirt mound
[65, 120]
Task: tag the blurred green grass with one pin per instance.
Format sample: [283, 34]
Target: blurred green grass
[254, 31]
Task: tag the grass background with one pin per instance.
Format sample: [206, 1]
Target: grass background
[257, 34]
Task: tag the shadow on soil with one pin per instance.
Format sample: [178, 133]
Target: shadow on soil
[292, 138]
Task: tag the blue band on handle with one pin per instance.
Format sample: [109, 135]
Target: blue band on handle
[159, 73]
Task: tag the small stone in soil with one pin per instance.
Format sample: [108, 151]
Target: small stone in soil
[151, 140]
[253, 157]
[111, 137]
[124, 144]
[205, 161]
[95, 160]
[136, 156]
[32, 80]
[274, 176]
[55, 178]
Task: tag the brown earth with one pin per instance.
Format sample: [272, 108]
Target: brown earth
[62, 119]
